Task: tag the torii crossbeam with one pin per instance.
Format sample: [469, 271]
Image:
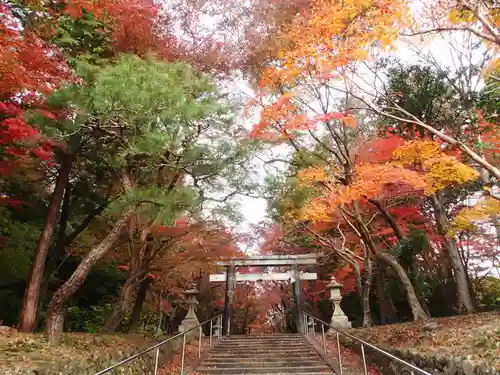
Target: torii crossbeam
[231, 277]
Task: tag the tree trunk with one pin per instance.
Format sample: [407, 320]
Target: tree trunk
[139, 302]
[367, 313]
[388, 313]
[126, 294]
[63, 225]
[57, 306]
[32, 294]
[465, 304]
[399, 234]
[416, 309]
[55, 252]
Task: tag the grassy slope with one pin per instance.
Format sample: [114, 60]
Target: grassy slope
[475, 336]
[18, 350]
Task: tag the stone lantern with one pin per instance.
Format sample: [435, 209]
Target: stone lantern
[191, 320]
[339, 319]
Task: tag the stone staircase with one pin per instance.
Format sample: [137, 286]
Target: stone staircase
[264, 354]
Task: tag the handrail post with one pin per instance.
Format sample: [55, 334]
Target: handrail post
[182, 355]
[364, 359]
[314, 328]
[156, 360]
[338, 354]
[219, 330]
[210, 339]
[324, 342]
[200, 333]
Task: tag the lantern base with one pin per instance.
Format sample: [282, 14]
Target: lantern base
[340, 322]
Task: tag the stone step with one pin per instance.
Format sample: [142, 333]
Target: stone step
[264, 356]
[250, 342]
[260, 358]
[277, 347]
[253, 363]
[260, 342]
[254, 351]
[280, 348]
[269, 337]
[263, 342]
[320, 369]
[265, 345]
[296, 349]
[266, 335]
[280, 373]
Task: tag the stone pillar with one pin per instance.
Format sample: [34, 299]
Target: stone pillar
[228, 300]
[298, 300]
[339, 319]
[191, 320]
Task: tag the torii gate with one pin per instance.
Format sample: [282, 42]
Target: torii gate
[231, 277]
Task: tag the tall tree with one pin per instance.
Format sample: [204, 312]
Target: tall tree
[160, 127]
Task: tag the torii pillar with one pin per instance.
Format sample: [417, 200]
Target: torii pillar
[298, 300]
[229, 299]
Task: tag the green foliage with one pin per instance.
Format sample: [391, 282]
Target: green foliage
[19, 241]
[409, 247]
[286, 195]
[165, 95]
[85, 40]
[489, 98]
[91, 319]
[428, 94]
[88, 320]
[488, 294]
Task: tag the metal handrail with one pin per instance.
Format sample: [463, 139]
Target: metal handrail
[160, 344]
[361, 342]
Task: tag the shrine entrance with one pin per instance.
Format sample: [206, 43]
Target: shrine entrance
[231, 277]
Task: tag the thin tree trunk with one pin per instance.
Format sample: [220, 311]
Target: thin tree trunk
[388, 217]
[55, 252]
[63, 225]
[139, 265]
[85, 222]
[399, 234]
[57, 306]
[32, 294]
[126, 294]
[416, 309]
[387, 310]
[139, 303]
[465, 304]
[367, 313]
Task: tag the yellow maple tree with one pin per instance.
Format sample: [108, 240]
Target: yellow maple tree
[330, 34]
[318, 42]
[370, 181]
[441, 170]
[467, 218]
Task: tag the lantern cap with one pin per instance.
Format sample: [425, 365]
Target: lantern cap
[333, 283]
